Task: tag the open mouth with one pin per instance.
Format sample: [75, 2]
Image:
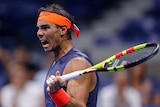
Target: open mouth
[44, 42]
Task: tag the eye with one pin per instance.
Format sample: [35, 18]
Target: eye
[45, 27]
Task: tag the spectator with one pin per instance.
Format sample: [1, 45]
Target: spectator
[118, 93]
[4, 57]
[139, 80]
[20, 92]
[21, 54]
[156, 100]
[41, 74]
[33, 69]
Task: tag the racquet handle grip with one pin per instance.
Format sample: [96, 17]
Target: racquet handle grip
[71, 75]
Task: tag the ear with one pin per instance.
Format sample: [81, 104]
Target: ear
[63, 30]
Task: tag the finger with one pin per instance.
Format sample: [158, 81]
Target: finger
[52, 76]
[48, 82]
[50, 79]
[58, 73]
[61, 81]
[48, 89]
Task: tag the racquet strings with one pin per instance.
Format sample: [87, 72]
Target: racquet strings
[133, 57]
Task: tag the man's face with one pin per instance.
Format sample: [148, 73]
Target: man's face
[49, 35]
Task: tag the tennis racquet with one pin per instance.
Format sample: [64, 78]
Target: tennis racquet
[120, 61]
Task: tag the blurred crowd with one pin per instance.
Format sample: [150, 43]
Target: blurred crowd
[21, 80]
[130, 88]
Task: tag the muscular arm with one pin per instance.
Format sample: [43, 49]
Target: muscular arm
[79, 88]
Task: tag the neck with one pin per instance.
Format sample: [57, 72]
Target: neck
[63, 49]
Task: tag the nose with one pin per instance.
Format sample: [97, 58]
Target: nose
[39, 33]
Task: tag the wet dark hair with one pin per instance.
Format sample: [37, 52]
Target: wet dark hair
[58, 9]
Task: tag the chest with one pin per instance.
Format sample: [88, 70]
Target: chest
[56, 66]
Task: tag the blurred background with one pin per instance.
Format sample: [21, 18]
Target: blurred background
[107, 27]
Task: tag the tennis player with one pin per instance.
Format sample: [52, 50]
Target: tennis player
[54, 32]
